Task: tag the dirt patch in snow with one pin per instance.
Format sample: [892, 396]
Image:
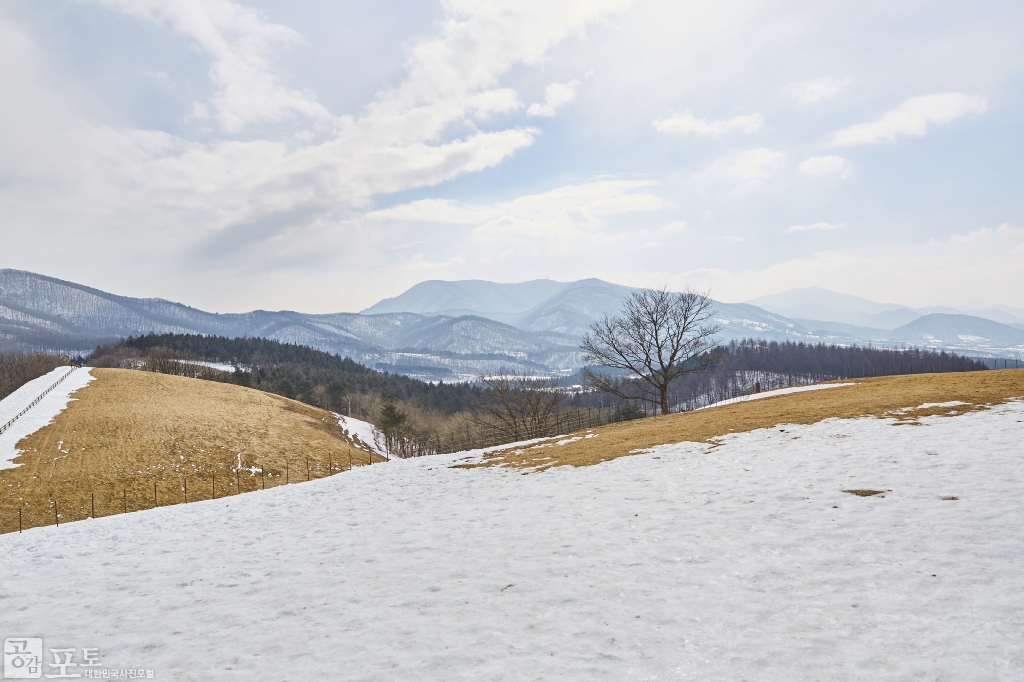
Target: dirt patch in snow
[864, 493]
[903, 398]
[129, 429]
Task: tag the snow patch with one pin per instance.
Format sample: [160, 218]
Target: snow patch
[361, 432]
[679, 564]
[772, 394]
[41, 414]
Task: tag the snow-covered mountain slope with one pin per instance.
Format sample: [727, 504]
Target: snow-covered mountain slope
[470, 327]
[741, 561]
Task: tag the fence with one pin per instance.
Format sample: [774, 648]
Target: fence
[80, 499]
[36, 401]
[151, 492]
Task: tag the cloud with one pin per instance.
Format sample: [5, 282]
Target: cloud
[756, 164]
[821, 227]
[813, 91]
[912, 118]
[688, 124]
[240, 44]
[569, 219]
[921, 273]
[816, 166]
[556, 96]
[595, 199]
[987, 233]
[402, 139]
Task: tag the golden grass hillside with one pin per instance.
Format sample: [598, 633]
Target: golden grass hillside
[129, 430]
[898, 397]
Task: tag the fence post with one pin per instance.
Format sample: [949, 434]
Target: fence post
[155, 505]
[124, 491]
[56, 516]
[19, 520]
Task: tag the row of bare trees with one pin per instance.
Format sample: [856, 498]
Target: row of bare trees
[18, 368]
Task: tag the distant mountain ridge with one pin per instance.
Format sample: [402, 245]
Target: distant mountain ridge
[456, 331]
[815, 303]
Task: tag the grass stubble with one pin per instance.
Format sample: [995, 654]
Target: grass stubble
[129, 430]
[897, 397]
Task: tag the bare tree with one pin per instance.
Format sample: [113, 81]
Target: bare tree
[658, 336]
[520, 405]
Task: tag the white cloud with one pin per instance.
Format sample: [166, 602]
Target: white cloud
[813, 91]
[756, 164]
[556, 96]
[986, 234]
[564, 220]
[911, 273]
[239, 43]
[825, 165]
[912, 118]
[688, 124]
[820, 227]
[495, 102]
[595, 199]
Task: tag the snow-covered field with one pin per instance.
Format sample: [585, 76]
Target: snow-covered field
[42, 413]
[744, 561]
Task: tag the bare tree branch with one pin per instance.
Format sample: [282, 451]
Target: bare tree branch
[520, 405]
[657, 337]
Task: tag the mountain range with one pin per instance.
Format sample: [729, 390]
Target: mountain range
[454, 331]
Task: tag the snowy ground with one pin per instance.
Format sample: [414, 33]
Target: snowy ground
[772, 394]
[363, 432]
[40, 414]
[738, 562]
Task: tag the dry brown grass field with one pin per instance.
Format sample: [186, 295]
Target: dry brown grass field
[129, 430]
[898, 397]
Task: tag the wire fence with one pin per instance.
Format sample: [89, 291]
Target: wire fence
[35, 402]
[143, 493]
[81, 500]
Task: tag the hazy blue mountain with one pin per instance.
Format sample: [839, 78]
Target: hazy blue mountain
[815, 303]
[989, 313]
[534, 326]
[469, 297]
[889, 319]
[574, 308]
[44, 312]
[959, 331]
[825, 328]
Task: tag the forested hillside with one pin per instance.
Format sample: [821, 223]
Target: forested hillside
[300, 372]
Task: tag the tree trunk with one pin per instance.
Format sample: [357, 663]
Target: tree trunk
[664, 398]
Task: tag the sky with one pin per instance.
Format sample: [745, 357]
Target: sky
[319, 156]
